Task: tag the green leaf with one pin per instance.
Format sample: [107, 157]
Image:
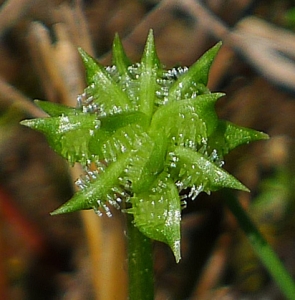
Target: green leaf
[157, 213]
[194, 169]
[187, 84]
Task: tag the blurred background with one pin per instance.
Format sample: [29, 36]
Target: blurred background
[81, 256]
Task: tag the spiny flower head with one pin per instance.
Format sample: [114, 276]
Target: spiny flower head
[150, 132]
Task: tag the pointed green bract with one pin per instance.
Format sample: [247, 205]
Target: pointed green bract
[149, 72]
[91, 66]
[120, 59]
[228, 136]
[102, 91]
[68, 135]
[197, 170]
[96, 191]
[150, 133]
[188, 83]
[157, 213]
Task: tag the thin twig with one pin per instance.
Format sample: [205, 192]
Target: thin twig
[77, 26]
[67, 62]
[40, 47]
[11, 96]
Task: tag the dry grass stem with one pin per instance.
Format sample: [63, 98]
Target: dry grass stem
[11, 96]
[12, 11]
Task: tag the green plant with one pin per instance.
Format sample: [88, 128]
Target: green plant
[151, 133]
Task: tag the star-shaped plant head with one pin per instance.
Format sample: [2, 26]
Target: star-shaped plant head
[150, 132]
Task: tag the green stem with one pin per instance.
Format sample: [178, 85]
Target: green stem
[266, 254]
[140, 264]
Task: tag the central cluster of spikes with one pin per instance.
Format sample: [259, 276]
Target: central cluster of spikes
[150, 133]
